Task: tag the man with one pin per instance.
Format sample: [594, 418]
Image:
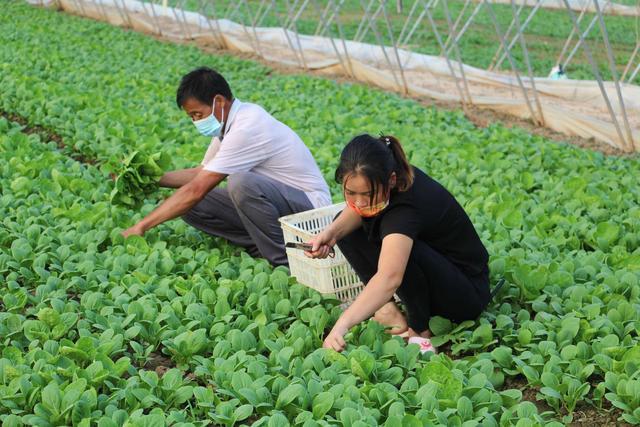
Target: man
[270, 172]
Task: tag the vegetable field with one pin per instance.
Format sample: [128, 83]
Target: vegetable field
[180, 329]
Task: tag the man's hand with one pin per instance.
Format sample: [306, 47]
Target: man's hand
[136, 230]
[179, 202]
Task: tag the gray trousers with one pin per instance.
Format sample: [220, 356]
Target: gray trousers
[246, 213]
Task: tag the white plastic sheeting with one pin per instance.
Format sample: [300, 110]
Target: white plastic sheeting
[573, 107]
[607, 7]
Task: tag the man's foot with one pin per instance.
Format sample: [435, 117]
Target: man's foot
[389, 315]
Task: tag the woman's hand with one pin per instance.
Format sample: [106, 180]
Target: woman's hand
[335, 339]
[322, 245]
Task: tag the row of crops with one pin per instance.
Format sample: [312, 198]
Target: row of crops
[181, 329]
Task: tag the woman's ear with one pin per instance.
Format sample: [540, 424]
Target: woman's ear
[392, 180]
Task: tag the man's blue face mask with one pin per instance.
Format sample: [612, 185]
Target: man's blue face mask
[210, 126]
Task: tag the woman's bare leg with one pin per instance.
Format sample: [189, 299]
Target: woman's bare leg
[389, 315]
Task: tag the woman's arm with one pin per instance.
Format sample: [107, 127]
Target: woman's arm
[394, 255]
[344, 224]
[176, 179]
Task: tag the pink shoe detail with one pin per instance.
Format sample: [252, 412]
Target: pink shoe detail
[424, 343]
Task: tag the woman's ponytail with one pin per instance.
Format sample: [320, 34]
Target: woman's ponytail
[403, 169]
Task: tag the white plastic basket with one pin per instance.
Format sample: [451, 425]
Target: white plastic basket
[329, 276]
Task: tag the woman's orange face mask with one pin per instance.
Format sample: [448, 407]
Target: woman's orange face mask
[369, 211]
[357, 195]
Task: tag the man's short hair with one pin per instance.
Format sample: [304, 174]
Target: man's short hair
[203, 84]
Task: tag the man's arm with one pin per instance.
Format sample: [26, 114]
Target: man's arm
[176, 179]
[179, 202]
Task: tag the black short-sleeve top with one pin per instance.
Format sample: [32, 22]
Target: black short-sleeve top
[429, 213]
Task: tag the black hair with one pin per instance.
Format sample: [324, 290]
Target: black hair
[203, 84]
[375, 159]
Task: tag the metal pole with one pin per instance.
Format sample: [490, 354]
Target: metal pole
[447, 42]
[456, 48]
[368, 19]
[259, 13]
[511, 61]
[446, 57]
[103, 11]
[334, 7]
[515, 39]
[344, 46]
[635, 72]
[126, 13]
[596, 71]
[174, 11]
[323, 20]
[286, 33]
[431, 4]
[523, 45]
[571, 34]
[468, 23]
[202, 11]
[122, 16]
[507, 34]
[384, 51]
[81, 4]
[631, 59]
[373, 18]
[614, 75]
[395, 49]
[252, 40]
[287, 23]
[152, 16]
[232, 9]
[253, 27]
[152, 6]
[414, 7]
[323, 16]
[297, 15]
[185, 20]
[582, 39]
[334, 13]
[365, 17]
[223, 42]
[269, 6]
[297, 34]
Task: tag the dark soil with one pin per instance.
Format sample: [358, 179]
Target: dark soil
[585, 415]
[159, 363]
[48, 135]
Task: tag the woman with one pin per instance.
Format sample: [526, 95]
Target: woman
[403, 233]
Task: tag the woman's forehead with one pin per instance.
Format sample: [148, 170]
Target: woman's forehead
[356, 183]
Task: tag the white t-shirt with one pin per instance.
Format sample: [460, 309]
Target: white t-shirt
[255, 141]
